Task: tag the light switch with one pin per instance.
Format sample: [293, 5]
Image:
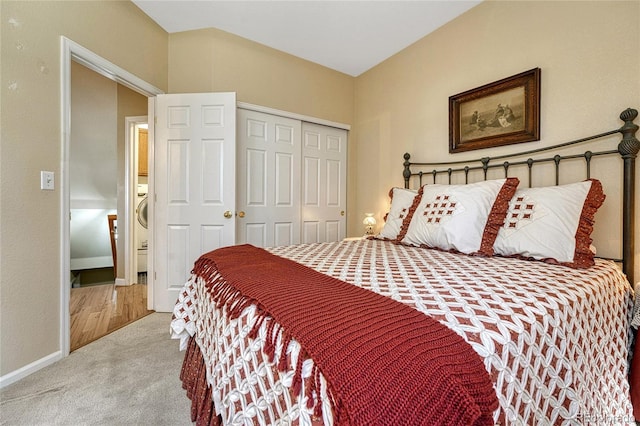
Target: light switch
[47, 181]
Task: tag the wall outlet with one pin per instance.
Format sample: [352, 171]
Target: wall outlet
[47, 180]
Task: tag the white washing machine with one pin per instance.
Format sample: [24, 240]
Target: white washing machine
[141, 228]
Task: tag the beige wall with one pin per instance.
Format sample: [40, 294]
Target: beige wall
[215, 61]
[589, 54]
[30, 142]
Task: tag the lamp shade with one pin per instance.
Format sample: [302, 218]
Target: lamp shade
[369, 220]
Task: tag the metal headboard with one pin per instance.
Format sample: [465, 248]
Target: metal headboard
[628, 149]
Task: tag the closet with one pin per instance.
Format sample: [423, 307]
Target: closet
[291, 180]
[227, 173]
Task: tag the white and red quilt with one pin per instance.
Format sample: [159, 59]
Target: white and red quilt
[554, 340]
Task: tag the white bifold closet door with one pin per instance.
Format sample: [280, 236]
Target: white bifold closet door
[268, 182]
[291, 180]
[324, 183]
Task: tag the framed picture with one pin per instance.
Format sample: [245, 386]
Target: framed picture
[500, 113]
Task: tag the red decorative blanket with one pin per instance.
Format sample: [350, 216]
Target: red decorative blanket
[385, 363]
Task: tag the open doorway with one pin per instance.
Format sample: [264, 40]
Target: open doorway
[139, 174]
[93, 178]
[100, 183]
[73, 54]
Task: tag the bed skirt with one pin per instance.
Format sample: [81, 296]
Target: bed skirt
[194, 380]
[634, 379]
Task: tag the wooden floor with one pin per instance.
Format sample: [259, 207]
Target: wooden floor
[100, 309]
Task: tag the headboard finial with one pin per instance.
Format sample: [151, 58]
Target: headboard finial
[628, 149]
[629, 145]
[406, 173]
[628, 114]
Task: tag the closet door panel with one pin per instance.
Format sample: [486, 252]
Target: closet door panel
[283, 234]
[284, 186]
[256, 182]
[310, 232]
[213, 159]
[324, 153]
[212, 236]
[268, 178]
[311, 187]
[332, 230]
[256, 234]
[334, 181]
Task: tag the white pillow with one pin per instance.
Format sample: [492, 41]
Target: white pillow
[401, 202]
[552, 223]
[463, 218]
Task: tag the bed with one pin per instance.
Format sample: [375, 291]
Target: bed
[456, 313]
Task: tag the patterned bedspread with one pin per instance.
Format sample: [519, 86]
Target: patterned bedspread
[555, 340]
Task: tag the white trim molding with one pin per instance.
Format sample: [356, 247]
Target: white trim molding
[23, 372]
[293, 115]
[131, 201]
[107, 69]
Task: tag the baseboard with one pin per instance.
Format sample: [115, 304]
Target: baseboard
[121, 281]
[25, 371]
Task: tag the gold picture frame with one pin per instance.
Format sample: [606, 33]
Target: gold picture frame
[500, 113]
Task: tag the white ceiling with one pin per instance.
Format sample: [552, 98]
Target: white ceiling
[347, 36]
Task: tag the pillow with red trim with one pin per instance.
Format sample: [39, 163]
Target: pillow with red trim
[462, 218]
[401, 202]
[552, 223]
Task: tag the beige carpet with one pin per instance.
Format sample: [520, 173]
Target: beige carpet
[129, 377]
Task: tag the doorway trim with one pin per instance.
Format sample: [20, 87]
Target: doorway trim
[130, 203]
[72, 51]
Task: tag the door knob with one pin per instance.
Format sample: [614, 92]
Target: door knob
[228, 214]
[342, 213]
[241, 214]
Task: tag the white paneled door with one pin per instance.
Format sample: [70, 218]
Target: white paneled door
[268, 179]
[194, 185]
[324, 174]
